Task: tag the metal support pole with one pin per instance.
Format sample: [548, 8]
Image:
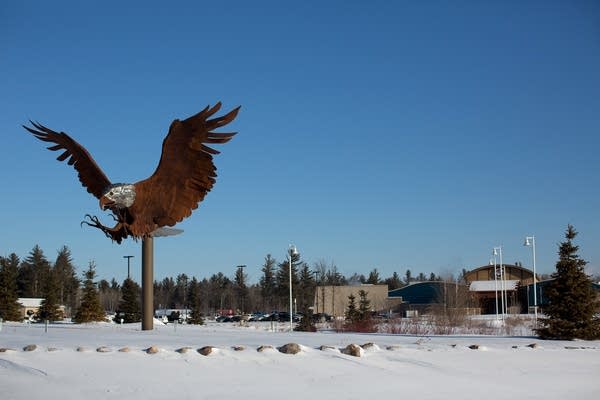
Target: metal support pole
[128, 265]
[147, 283]
[291, 311]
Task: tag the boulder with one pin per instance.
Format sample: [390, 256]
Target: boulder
[30, 347]
[353, 350]
[183, 350]
[327, 348]
[206, 350]
[370, 346]
[290, 348]
[5, 349]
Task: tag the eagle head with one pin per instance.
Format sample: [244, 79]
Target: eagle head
[118, 195]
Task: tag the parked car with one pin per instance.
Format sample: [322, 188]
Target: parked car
[322, 317]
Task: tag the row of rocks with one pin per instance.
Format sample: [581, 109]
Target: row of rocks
[289, 348]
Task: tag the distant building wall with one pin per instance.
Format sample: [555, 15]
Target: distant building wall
[333, 300]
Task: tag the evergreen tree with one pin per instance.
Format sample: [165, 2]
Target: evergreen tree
[352, 315]
[129, 307]
[374, 278]
[33, 272]
[241, 289]
[90, 309]
[10, 309]
[364, 305]
[50, 307]
[195, 301]
[305, 291]
[68, 284]
[572, 301]
[408, 278]
[219, 288]
[306, 323]
[268, 284]
[394, 281]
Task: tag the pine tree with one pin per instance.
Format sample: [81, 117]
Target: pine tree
[394, 281]
[129, 307]
[364, 305]
[305, 292]
[241, 289]
[572, 301]
[68, 284]
[33, 273]
[373, 278]
[90, 309]
[50, 308]
[267, 282]
[10, 309]
[352, 315]
[195, 301]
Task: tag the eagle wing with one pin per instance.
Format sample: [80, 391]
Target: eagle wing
[90, 174]
[185, 173]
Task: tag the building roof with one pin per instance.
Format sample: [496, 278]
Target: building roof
[490, 286]
[30, 301]
[429, 292]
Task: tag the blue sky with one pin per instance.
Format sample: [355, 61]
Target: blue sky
[388, 135]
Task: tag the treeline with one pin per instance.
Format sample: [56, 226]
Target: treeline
[58, 284]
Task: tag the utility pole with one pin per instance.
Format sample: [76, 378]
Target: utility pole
[128, 265]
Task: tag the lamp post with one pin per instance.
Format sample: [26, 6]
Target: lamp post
[293, 252]
[495, 284]
[128, 258]
[497, 251]
[530, 241]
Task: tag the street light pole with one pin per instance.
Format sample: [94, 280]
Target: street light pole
[495, 284]
[498, 251]
[128, 258]
[530, 241]
[293, 251]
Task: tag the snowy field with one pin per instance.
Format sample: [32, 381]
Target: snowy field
[66, 364]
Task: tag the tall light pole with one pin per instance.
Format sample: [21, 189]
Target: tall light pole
[497, 251]
[530, 241]
[495, 283]
[293, 252]
[128, 258]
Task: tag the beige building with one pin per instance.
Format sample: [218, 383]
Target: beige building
[333, 300]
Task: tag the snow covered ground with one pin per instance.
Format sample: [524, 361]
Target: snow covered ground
[67, 365]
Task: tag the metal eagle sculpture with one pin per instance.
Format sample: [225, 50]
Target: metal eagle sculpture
[185, 174]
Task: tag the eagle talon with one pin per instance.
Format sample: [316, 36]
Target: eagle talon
[95, 222]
